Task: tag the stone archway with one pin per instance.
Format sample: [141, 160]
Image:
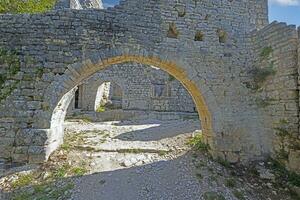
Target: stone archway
[78, 72]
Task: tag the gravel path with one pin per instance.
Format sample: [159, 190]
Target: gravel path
[139, 160]
[181, 174]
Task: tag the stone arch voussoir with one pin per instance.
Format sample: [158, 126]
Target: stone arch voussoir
[171, 63]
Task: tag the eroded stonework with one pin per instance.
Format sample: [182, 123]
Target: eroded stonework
[215, 49]
[141, 88]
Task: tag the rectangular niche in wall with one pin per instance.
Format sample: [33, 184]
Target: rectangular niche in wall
[160, 91]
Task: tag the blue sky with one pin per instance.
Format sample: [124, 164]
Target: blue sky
[285, 11]
[280, 10]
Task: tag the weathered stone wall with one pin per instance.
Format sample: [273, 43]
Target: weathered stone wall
[203, 45]
[277, 51]
[144, 88]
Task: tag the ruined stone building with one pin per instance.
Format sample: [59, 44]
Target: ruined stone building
[133, 86]
[241, 71]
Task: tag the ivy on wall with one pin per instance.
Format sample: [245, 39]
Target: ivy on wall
[10, 60]
[26, 6]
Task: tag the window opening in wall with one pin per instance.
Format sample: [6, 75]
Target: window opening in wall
[77, 99]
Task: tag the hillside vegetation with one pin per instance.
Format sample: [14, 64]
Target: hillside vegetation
[26, 6]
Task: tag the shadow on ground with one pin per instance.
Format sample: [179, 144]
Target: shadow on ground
[161, 131]
[177, 179]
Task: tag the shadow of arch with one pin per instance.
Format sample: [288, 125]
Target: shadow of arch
[159, 131]
[78, 72]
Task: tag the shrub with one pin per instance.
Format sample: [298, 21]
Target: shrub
[23, 180]
[199, 36]
[198, 143]
[230, 183]
[100, 109]
[266, 52]
[26, 6]
[172, 32]
[260, 75]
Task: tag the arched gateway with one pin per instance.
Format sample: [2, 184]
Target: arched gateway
[211, 47]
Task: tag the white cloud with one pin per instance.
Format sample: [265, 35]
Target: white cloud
[106, 5]
[286, 2]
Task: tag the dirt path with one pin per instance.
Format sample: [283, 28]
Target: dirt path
[138, 160]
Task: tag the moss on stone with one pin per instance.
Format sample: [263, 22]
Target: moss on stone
[11, 61]
[266, 52]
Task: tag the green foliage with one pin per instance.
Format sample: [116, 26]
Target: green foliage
[48, 191]
[11, 60]
[61, 171]
[266, 52]
[199, 176]
[6, 91]
[39, 72]
[262, 103]
[100, 109]
[199, 36]
[22, 181]
[282, 129]
[173, 32]
[283, 175]
[79, 171]
[222, 35]
[260, 75]
[65, 146]
[171, 78]
[198, 143]
[26, 6]
[213, 196]
[253, 171]
[231, 183]
[223, 162]
[282, 154]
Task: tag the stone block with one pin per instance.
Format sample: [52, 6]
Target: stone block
[294, 160]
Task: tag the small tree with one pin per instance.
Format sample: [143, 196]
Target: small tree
[26, 6]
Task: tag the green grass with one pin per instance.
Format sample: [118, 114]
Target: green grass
[200, 164]
[47, 191]
[86, 119]
[23, 180]
[197, 142]
[162, 152]
[231, 183]
[223, 162]
[213, 196]
[100, 109]
[282, 131]
[79, 171]
[67, 170]
[61, 171]
[65, 146]
[283, 175]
